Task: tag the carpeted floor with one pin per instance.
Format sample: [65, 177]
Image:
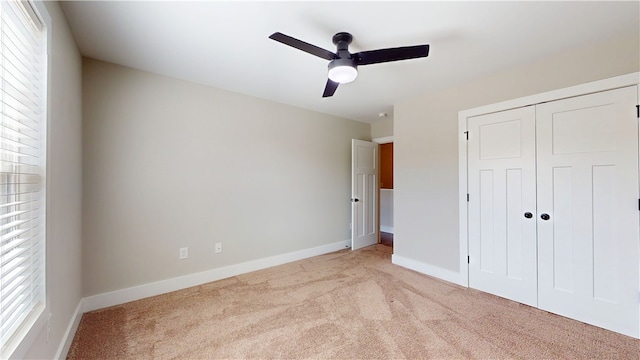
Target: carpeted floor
[344, 305]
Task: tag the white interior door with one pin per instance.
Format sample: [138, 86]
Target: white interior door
[588, 209]
[502, 204]
[364, 193]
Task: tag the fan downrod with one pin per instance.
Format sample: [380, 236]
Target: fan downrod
[342, 40]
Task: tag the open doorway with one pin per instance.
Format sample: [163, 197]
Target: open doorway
[386, 194]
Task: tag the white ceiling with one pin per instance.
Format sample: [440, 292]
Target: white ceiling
[225, 43]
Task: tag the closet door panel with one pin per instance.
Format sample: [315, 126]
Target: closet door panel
[502, 241]
[587, 176]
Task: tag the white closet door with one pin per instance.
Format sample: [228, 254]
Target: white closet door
[588, 186]
[502, 188]
[364, 190]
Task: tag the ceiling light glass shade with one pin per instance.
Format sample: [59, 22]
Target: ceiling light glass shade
[343, 74]
[342, 70]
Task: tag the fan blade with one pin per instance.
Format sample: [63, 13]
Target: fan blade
[330, 88]
[301, 45]
[392, 54]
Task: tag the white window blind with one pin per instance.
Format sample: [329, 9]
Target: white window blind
[22, 170]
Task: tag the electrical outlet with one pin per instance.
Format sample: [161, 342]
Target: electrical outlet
[218, 248]
[184, 253]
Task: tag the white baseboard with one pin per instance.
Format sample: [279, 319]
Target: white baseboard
[387, 229]
[67, 339]
[435, 271]
[118, 297]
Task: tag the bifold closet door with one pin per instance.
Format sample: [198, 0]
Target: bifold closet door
[502, 204]
[588, 240]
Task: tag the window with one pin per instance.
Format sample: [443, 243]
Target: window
[22, 171]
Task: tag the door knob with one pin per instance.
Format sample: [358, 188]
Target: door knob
[528, 215]
[355, 200]
[545, 217]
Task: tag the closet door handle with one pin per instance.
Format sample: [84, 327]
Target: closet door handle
[545, 217]
[528, 215]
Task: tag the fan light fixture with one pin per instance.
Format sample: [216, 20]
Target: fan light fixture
[343, 74]
[343, 65]
[342, 71]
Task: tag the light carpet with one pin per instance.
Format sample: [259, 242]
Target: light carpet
[343, 305]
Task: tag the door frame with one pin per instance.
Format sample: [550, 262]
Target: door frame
[380, 141]
[632, 79]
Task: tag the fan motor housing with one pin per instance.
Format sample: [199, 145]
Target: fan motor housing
[342, 62]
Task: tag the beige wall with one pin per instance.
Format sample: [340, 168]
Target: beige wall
[382, 128]
[170, 164]
[64, 185]
[426, 140]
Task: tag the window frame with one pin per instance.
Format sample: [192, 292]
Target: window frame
[26, 334]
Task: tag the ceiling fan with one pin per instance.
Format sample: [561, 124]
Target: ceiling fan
[343, 65]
